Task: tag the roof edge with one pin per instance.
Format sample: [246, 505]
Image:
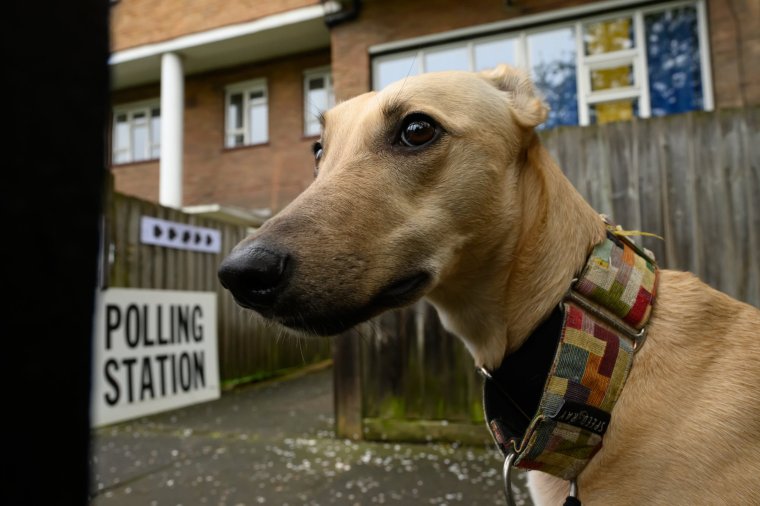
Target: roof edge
[272, 22]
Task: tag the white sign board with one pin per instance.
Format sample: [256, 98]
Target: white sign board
[154, 350]
[172, 234]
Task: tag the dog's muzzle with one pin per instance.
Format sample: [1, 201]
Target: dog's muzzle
[316, 294]
[255, 275]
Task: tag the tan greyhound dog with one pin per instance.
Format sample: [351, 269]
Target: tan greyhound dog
[438, 187]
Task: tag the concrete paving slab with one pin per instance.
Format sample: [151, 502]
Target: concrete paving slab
[274, 444]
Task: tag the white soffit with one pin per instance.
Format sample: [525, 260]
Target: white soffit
[273, 36]
[230, 214]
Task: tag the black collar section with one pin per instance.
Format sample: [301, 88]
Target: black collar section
[512, 393]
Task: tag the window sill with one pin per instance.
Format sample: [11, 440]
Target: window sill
[131, 164]
[245, 146]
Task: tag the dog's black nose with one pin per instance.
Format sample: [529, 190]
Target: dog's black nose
[255, 274]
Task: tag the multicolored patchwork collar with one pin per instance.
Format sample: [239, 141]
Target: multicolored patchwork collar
[549, 404]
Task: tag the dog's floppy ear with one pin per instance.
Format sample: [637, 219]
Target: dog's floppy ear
[528, 108]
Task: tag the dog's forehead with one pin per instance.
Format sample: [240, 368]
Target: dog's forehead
[435, 91]
[345, 116]
[432, 83]
[351, 107]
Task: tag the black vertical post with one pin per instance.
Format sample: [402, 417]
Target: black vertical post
[55, 74]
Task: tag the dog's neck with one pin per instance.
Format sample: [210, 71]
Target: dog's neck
[559, 231]
[545, 247]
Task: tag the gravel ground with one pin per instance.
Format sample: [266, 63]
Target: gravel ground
[273, 443]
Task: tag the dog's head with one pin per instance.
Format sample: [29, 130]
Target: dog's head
[414, 191]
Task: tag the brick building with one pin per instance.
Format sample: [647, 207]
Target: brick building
[214, 103]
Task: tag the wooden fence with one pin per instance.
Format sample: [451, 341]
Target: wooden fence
[693, 179]
[247, 348]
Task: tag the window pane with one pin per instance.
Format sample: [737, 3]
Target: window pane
[120, 139]
[316, 83]
[121, 133]
[312, 127]
[139, 142]
[155, 132]
[121, 156]
[235, 112]
[136, 134]
[619, 110]
[235, 140]
[608, 36]
[256, 94]
[552, 61]
[390, 71]
[490, 54]
[317, 101]
[259, 119]
[448, 59]
[675, 74]
[616, 77]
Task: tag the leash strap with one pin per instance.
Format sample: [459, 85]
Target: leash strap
[603, 323]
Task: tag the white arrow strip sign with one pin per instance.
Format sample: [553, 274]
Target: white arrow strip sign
[172, 234]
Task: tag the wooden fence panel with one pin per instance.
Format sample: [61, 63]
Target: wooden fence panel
[248, 348]
[414, 372]
[690, 178]
[693, 179]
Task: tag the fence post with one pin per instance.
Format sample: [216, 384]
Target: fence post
[347, 385]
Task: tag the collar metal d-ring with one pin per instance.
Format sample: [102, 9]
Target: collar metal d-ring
[507, 475]
[509, 463]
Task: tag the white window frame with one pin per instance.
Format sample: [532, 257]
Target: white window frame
[637, 58]
[311, 123]
[419, 54]
[634, 57]
[246, 88]
[584, 64]
[131, 109]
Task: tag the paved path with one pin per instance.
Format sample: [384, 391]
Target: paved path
[274, 444]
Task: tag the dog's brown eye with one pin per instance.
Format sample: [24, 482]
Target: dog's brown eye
[418, 130]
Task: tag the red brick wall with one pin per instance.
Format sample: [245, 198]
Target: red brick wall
[138, 22]
[265, 176]
[735, 47]
[137, 179]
